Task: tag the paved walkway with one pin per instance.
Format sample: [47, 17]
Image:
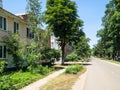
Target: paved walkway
[36, 85]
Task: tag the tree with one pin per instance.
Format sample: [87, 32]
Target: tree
[34, 22]
[61, 16]
[34, 18]
[111, 25]
[82, 47]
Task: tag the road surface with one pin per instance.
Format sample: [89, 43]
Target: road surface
[102, 75]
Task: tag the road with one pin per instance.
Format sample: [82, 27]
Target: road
[102, 75]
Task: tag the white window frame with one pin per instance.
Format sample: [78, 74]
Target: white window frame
[3, 52]
[3, 23]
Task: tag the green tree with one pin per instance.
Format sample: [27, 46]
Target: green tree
[110, 36]
[82, 48]
[34, 22]
[34, 19]
[32, 55]
[61, 16]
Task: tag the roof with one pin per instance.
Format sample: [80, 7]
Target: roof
[12, 15]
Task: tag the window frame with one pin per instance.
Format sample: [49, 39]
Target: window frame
[4, 52]
[29, 34]
[4, 23]
[16, 27]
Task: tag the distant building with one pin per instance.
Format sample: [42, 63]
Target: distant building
[54, 42]
[55, 45]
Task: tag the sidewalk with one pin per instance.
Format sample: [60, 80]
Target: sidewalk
[79, 84]
[36, 85]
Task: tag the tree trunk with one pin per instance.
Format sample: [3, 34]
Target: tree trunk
[63, 51]
[63, 54]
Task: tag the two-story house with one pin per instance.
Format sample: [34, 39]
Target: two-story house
[10, 23]
[15, 24]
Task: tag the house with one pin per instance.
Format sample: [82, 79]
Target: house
[10, 23]
[15, 24]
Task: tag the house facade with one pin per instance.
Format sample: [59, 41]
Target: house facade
[14, 24]
[10, 23]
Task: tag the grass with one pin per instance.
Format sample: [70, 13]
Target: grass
[62, 82]
[112, 61]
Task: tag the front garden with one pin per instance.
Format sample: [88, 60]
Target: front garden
[14, 80]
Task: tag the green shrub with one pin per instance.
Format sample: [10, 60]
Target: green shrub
[74, 69]
[44, 70]
[50, 55]
[17, 80]
[6, 84]
[15, 47]
[2, 66]
[72, 57]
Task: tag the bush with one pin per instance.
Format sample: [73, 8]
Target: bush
[2, 66]
[72, 57]
[44, 70]
[6, 84]
[15, 47]
[74, 69]
[50, 55]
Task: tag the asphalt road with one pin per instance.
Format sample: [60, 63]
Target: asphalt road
[102, 75]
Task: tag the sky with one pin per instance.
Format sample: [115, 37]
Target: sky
[90, 11]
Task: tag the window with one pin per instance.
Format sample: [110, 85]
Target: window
[16, 27]
[29, 33]
[3, 24]
[2, 52]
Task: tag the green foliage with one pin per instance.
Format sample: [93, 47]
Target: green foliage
[17, 80]
[74, 69]
[72, 57]
[50, 54]
[34, 19]
[33, 10]
[2, 66]
[43, 70]
[32, 56]
[82, 48]
[108, 45]
[15, 48]
[6, 83]
[61, 17]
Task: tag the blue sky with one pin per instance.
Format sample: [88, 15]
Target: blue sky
[90, 11]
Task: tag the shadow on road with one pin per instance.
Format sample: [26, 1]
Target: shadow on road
[73, 63]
